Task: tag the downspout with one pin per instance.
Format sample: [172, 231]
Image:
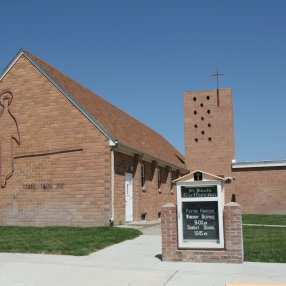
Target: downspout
[112, 188]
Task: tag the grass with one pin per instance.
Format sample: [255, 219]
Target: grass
[264, 244]
[261, 244]
[264, 219]
[61, 240]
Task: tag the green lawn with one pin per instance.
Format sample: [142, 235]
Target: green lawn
[264, 219]
[264, 244]
[61, 240]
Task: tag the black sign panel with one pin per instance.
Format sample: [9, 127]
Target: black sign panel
[200, 220]
[199, 192]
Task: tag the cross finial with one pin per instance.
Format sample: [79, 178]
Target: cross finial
[217, 74]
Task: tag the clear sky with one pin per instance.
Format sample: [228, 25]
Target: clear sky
[142, 55]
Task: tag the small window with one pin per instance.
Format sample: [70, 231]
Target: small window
[203, 132]
[209, 125]
[202, 105]
[194, 99]
[195, 112]
[208, 98]
[210, 139]
[196, 126]
[208, 111]
[143, 216]
[196, 140]
[202, 119]
[142, 176]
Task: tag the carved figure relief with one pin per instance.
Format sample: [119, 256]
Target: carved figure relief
[8, 132]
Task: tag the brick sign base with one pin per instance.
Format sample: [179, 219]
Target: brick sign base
[233, 252]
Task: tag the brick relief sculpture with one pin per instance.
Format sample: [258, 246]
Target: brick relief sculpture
[9, 132]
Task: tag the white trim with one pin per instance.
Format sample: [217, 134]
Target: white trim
[201, 244]
[261, 164]
[190, 175]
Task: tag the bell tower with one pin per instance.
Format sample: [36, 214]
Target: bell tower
[209, 131]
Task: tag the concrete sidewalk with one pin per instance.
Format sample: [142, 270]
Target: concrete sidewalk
[131, 263]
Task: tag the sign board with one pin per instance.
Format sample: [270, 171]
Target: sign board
[200, 222]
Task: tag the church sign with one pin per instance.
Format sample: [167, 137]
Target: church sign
[200, 221]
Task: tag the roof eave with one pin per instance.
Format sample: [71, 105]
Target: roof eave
[121, 146]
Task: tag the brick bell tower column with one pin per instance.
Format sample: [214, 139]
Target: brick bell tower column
[209, 132]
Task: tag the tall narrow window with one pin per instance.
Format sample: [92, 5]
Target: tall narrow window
[159, 179]
[171, 181]
[142, 176]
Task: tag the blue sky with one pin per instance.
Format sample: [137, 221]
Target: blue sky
[133, 53]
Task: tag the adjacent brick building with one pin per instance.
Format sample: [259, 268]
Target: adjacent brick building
[68, 157]
[259, 187]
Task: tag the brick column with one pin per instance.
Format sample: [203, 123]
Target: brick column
[169, 232]
[233, 232]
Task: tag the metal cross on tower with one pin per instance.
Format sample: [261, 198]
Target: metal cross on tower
[217, 74]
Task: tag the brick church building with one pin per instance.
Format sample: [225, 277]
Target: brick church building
[68, 157]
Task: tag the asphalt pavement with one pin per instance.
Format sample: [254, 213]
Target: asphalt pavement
[131, 263]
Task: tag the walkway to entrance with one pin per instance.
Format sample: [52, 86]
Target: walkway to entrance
[146, 227]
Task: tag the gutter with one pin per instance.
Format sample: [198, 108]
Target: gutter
[112, 188]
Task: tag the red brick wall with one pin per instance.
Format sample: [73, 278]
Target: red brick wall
[148, 199]
[213, 156]
[261, 190]
[62, 166]
[233, 252]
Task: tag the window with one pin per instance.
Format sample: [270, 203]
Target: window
[171, 181]
[159, 179]
[142, 176]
